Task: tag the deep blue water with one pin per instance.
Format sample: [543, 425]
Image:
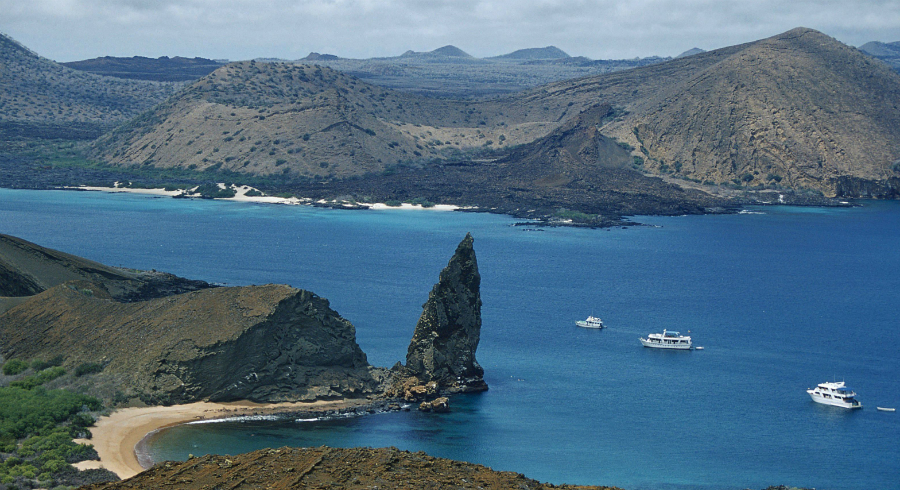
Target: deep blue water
[780, 300]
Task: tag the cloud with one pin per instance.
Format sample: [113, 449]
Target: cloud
[239, 29]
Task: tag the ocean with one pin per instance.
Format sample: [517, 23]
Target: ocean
[781, 298]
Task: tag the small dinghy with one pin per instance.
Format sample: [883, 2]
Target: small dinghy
[886, 409]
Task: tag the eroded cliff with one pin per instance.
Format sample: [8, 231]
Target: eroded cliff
[262, 343]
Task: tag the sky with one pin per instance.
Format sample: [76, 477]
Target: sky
[70, 30]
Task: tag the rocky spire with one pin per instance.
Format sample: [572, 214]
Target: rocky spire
[444, 343]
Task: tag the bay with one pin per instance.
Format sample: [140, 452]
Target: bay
[781, 299]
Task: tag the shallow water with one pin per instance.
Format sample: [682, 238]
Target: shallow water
[780, 300]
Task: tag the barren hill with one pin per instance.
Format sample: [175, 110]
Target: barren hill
[308, 121]
[889, 53]
[545, 53]
[41, 98]
[799, 110]
[795, 111]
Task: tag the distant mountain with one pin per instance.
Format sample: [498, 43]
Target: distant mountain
[450, 51]
[879, 49]
[162, 69]
[41, 98]
[886, 52]
[691, 52]
[320, 57]
[546, 53]
[798, 110]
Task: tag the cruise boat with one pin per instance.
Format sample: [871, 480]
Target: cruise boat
[667, 340]
[836, 394]
[591, 322]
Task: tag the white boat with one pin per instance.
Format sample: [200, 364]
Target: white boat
[667, 340]
[886, 409]
[591, 322]
[836, 394]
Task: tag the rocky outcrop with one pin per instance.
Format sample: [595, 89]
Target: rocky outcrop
[447, 334]
[438, 405]
[324, 467]
[261, 343]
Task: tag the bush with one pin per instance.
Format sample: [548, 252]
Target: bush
[14, 366]
[39, 365]
[40, 378]
[33, 431]
[88, 368]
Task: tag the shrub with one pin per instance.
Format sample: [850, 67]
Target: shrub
[40, 378]
[88, 368]
[39, 365]
[14, 366]
[573, 215]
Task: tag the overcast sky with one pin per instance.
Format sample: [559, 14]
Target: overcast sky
[69, 30]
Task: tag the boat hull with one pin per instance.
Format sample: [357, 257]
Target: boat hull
[659, 345]
[834, 402]
[584, 324]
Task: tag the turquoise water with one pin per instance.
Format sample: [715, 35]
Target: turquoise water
[780, 300]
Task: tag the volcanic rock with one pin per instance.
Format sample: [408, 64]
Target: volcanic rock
[438, 405]
[447, 334]
[262, 343]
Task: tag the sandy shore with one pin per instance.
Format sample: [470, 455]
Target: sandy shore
[241, 196]
[115, 437]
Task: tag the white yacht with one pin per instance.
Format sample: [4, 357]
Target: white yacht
[591, 322]
[667, 340]
[836, 394]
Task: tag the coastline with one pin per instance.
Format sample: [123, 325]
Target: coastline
[241, 196]
[116, 436]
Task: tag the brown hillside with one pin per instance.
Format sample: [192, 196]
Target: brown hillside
[324, 467]
[307, 121]
[799, 109]
[260, 343]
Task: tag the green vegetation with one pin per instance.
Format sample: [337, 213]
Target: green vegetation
[213, 191]
[36, 431]
[40, 365]
[578, 216]
[38, 379]
[421, 201]
[14, 366]
[88, 368]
